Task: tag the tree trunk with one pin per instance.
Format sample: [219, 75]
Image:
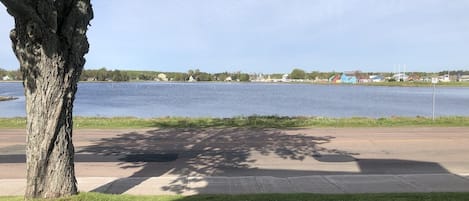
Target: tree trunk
[50, 42]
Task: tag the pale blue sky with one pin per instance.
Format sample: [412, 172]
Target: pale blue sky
[272, 35]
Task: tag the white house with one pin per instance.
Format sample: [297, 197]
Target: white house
[191, 79]
[444, 78]
[376, 78]
[6, 78]
[464, 78]
[162, 77]
[400, 76]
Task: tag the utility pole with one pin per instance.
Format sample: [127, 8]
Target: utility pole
[434, 82]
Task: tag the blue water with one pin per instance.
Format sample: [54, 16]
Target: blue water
[152, 99]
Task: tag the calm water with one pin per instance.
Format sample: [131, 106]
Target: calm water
[234, 99]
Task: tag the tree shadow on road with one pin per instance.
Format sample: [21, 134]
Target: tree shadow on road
[190, 154]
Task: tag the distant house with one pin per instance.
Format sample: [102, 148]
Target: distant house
[415, 77]
[463, 78]
[6, 78]
[376, 78]
[349, 77]
[284, 77]
[362, 78]
[444, 78]
[228, 79]
[191, 79]
[162, 77]
[426, 79]
[335, 79]
[400, 77]
[260, 77]
[257, 78]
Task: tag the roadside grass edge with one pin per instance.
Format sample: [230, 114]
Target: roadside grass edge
[251, 122]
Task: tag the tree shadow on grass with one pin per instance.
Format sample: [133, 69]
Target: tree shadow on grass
[188, 155]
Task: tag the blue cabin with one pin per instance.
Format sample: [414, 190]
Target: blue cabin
[348, 78]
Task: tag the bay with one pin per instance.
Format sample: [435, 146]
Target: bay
[160, 99]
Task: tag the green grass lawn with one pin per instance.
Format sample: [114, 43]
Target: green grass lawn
[417, 84]
[270, 197]
[251, 121]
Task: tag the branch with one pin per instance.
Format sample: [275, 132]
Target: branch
[21, 9]
[76, 21]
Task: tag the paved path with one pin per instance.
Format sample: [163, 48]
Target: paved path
[237, 160]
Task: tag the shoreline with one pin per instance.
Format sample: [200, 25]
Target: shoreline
[371, 84]
[376, 84]
[7, 98]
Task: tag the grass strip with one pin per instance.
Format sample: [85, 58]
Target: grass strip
[269, 197]
[251, 122]
[416, 84]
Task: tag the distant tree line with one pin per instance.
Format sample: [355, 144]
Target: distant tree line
[297, 73]
[104, 74]
[12, 74]
[454, 72]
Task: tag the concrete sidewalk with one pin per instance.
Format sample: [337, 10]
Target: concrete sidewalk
[326, 184]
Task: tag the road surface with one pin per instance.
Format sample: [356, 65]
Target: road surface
[250, 152]
[245, 152]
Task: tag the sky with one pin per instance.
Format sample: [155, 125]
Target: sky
[272, 36]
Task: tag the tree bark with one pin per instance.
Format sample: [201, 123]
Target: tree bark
[49, 40]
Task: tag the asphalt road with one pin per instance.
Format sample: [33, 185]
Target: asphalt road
[255, 152]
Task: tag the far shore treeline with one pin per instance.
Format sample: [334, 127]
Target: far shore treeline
[103, 74]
